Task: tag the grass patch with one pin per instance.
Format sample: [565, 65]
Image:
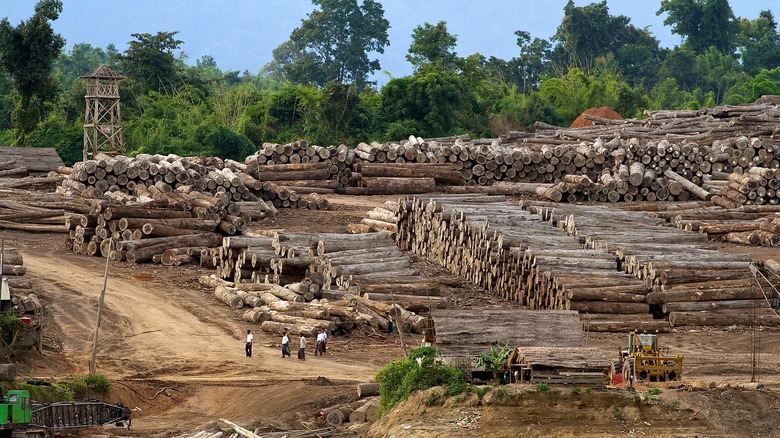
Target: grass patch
[542, 387]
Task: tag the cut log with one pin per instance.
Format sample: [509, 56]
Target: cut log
[367, 389]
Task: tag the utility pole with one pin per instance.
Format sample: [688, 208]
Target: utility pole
[99, 315]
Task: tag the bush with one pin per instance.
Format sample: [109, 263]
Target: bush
[90, 385]
[400, 378]
[542, 387]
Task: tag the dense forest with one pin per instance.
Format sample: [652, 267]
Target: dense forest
[318, 85]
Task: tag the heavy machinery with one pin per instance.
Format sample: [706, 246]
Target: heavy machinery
[644, 360]
[20, 417]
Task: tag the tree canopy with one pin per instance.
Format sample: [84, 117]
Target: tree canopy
[335, 43]
[433, 46]
[703, 23]
[27, 53]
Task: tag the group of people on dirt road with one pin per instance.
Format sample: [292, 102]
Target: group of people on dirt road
[319, 348]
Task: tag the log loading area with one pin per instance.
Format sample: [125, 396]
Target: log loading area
[552, 242]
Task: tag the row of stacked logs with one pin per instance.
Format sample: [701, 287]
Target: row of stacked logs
[519, 256]
[685, 280]
[280, 309]
[13, 274]
[750, 224]
[311, 265]
[119, 178]
[619, 268]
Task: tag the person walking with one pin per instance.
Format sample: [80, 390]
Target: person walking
[302, 348]
[285, 345]
[318, 345]
[249, 339]
[324, 341]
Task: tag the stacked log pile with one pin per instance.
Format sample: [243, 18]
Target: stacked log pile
[13, 271]
[749, 224]
[379, 219]
[311, 265]
[29, 211]
[626, 160]
[518, 255]
[14, 175]
[682, 275]
[119, 177]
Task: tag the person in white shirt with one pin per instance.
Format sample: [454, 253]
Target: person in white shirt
[249, 339]
[302, 348]
[285, 344]
[324, 340]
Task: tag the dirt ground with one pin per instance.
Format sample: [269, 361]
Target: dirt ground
[176, 356]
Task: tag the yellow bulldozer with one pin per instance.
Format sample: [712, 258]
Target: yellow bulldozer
[644, 360]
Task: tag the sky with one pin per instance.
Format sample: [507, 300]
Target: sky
[241, 34]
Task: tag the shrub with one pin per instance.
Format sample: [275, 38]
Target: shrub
[400, 378]
[542, 387]
[90, 385]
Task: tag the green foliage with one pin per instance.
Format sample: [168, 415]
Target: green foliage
[66, 138]
[576, 390]
[494, 360]
[90, 385]
[654, 391]
[703, 23]
[617, 414]
[542, 387]
[759, 43]
[334, 42]
[8, 323]
[433, 46]
[27, 53]
[149, 62]
[401, 377]
[79, 388]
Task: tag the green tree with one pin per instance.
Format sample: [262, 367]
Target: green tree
[759, 43]
[27, 53]
[589, 34]
[149, 61]
[334, 44]
[428, 104]
[720, 72]
[703, 23]
[433, 45]
[681, 65]
[532, 61]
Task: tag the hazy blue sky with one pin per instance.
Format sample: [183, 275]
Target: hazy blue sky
[240, 34]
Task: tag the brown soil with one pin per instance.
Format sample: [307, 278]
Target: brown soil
[602, 111]
[176, 356]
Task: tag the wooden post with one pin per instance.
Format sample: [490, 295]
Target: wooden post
[99, 315]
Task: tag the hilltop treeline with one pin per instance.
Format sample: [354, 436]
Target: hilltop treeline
[319, 86]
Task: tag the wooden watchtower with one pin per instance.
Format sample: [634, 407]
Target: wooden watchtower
[103, 120]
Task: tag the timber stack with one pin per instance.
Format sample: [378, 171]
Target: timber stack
[379, 219]
[36, 212]
[620, 268]
[15, 175]
[120, 177]
[13, 271]
[748, 224]
[685, 280]
[520, 256]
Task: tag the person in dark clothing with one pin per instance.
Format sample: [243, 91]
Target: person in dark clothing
[389, 324]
